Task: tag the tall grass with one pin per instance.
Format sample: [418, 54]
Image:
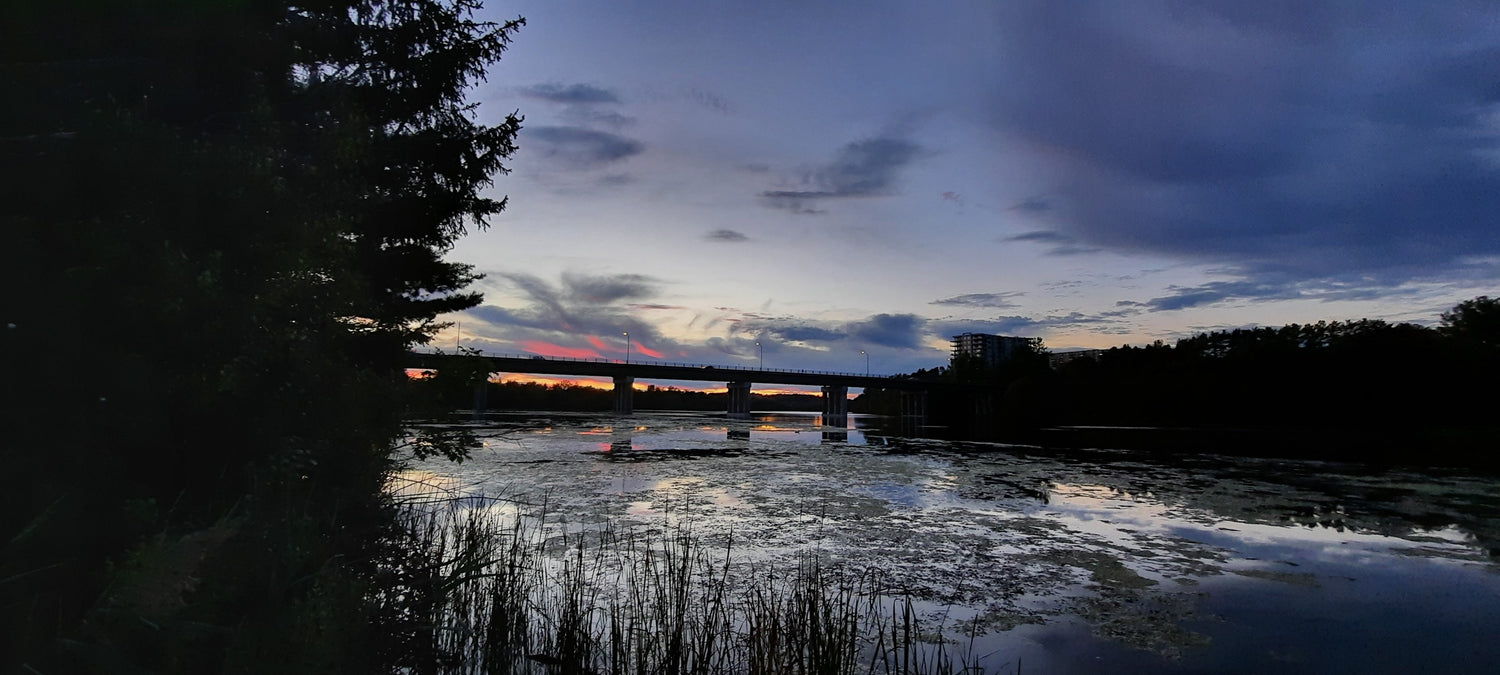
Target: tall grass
[504, 587]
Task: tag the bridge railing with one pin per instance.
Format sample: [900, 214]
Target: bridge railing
[653, 362]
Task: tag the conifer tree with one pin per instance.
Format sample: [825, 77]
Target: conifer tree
[225, 222]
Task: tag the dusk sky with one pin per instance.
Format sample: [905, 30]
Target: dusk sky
[831, 177]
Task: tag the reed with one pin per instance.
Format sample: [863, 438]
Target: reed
[506, 587]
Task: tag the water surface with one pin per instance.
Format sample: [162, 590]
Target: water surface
[1100, 560]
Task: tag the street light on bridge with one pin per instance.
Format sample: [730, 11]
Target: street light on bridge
[867, 362]
[761, 355]
[627, 346]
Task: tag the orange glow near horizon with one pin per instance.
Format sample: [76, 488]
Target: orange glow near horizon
[551, 380]
[549, 349]
[606, 383]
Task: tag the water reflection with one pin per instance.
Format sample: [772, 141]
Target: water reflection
[1155, 563]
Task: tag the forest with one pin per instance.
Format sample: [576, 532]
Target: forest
[1363, 389]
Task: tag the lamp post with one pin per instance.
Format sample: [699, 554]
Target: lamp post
[867, 362]
[761, 355]
[627, 346]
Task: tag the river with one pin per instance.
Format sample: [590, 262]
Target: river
[1078, 561]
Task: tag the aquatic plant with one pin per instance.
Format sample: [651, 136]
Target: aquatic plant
[501, 586]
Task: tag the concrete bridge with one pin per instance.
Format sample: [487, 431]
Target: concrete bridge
[738, 380]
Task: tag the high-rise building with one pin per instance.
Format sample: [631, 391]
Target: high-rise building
[993, 350]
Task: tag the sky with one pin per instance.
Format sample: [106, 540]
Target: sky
[850, 184]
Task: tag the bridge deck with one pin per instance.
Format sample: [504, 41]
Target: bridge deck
[543, 365]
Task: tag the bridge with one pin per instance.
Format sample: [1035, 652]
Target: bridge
[738, 380]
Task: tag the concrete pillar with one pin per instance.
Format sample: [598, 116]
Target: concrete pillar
[835, 406]
[624, 395]
[481, 398]
[739, 399]
[914, 404]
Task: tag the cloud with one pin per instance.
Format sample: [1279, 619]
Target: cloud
[861, 169]
[901, 331]
[1041, 236]
[1218, 291]
[806, 334]
[1066, 245]
[604, 289]
[1284, 142]
[726, 235]
[1323, 290]
[995, 300]
[583, 148]
[1113, 321]
[569, 93]
[571, 315]
[549, 349]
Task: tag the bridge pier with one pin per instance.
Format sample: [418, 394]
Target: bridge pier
[624, 395]
[739, 400]
[835, 406]
[481, 398]
[914, 404]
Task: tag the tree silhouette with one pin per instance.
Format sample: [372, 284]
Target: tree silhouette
[1475, 322]
[231, 217]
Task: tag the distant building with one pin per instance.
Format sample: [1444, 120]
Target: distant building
[1056, 359]
[993, 350]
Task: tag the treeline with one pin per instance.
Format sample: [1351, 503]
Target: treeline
[440, 394]
[1345, 388]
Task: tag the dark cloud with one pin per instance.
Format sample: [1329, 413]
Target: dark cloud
[570, 93]
[1183, 297]
[861, 169]
[806, 334]
[1219, 291]
[583, 148]
[498, 315]
[1065, 245]
[1041, 236]
[1284, 141]
[726, 235]
[572, 312]
[1113, 321]
[901, 331]
[604, 289]
[994, 300]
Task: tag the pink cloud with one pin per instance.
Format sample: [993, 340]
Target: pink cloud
[549, 349]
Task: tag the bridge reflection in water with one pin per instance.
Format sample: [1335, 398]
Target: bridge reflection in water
[835, 386]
